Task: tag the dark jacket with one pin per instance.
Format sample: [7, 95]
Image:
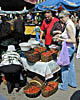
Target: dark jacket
[19, 25]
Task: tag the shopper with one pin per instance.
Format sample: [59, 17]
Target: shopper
[11, 66]
[19, 29]
[68, 72]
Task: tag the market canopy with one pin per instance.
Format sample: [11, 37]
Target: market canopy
[70, 5]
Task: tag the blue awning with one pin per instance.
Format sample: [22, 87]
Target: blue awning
[70, 5]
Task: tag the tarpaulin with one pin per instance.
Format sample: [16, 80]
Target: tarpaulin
[70, 5]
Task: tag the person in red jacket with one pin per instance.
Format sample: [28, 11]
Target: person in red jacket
[49, 25]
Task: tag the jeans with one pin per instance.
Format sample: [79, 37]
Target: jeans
[68, 72]
[2, 97]
[37, 36]
[38, 39]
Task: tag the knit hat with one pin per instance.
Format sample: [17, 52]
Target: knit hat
[11, 48]
[64, 13]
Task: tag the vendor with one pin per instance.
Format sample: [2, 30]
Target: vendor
[49, 24]
[11, 66]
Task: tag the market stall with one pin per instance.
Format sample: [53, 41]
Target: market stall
[45, 69]
[38, 60]
[41, 63]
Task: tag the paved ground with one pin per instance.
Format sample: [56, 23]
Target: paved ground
[59, 95]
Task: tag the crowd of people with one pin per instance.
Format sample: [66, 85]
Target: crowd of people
[32, 18]
[64, 27]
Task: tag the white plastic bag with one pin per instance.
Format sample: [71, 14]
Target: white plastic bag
[78, 52]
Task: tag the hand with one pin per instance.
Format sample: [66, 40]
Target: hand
[57, 31]
[60, 39]
[57, 35]
[55, 39]
[41, 41]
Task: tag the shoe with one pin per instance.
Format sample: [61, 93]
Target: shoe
[18, 89]
[61, 87]
[1, 79]
[10, 87]
[73, 86]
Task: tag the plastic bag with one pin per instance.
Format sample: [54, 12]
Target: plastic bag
[78, 52]
[64, 59]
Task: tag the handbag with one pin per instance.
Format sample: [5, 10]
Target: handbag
[63, 59]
